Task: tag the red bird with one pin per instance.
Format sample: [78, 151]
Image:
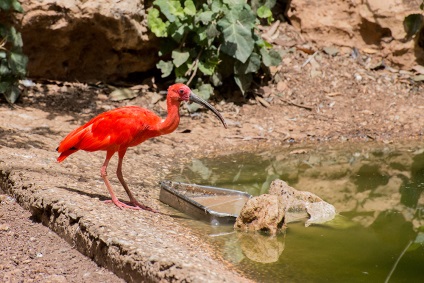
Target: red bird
[117, 130]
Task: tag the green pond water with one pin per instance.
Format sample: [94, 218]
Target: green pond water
[377, 190]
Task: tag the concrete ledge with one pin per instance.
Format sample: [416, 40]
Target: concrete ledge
[138, 246]
[125, 242]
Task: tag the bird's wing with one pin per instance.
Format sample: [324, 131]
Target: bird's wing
[121, 127]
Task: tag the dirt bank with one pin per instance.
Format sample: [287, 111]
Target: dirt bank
[321, 99]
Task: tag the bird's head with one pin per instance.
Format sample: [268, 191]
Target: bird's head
[181, 92]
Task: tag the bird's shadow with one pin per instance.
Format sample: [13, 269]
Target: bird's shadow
[91, 195]
[105, 198]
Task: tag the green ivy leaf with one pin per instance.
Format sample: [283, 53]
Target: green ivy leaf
[181, 71]
[18, 62]
[178, 31]
[233, 3]
[256, 4]
[200, 35]
[171, 9]
[165, 67]
[189, 8]
[243, 81]
[264, 12]
[205, 17]
[206, 68]
[260, 42]
[216, 6]
[5, 5]
[12, 94]
[237, 32]
[209, 61]
[216, 79]
[182, 80]
[15, 37]
[179, 58]
[203, 91]
[212, 31]
[270, 58]
[252, 65]
[4, 85]
[17, 6]
[245, 17]
[4, 69]
[155, 23]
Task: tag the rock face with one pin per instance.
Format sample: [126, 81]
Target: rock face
[367, 24]
[108, 40]
[86, 40]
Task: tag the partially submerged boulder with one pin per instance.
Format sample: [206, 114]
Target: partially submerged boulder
[302, 204]
[262, 213]
[284, 204]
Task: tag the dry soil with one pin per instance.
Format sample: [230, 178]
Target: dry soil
[314, 97]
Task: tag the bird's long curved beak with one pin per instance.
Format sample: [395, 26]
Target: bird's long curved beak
[198, 100]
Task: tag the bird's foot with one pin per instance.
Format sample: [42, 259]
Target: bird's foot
[135, 205]
[142, 206]
[122, 205]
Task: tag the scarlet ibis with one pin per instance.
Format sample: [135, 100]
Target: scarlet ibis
[117, 130]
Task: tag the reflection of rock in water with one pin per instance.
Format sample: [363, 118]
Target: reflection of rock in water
[410, 191]
[261, 248]
[369, 177]
[283, 204]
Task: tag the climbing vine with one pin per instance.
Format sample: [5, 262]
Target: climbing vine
[12, 60]
[213, 40]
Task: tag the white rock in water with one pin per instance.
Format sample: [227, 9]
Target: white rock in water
[319, 212]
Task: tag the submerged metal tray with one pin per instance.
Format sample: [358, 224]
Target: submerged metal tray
[217, 206]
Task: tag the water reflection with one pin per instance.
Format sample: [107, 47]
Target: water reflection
[256, 247]
[378, 191]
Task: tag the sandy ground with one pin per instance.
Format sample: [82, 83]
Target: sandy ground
[31, 252]
[312, 99]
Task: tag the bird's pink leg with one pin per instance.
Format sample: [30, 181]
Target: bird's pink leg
[103, 172]
[133, 201]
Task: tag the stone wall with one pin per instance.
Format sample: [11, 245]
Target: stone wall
[373, 26]
[108, 40]
[88, 40]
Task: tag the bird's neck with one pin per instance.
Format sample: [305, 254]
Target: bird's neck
[172, 119]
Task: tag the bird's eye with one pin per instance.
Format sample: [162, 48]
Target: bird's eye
[181, 91]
